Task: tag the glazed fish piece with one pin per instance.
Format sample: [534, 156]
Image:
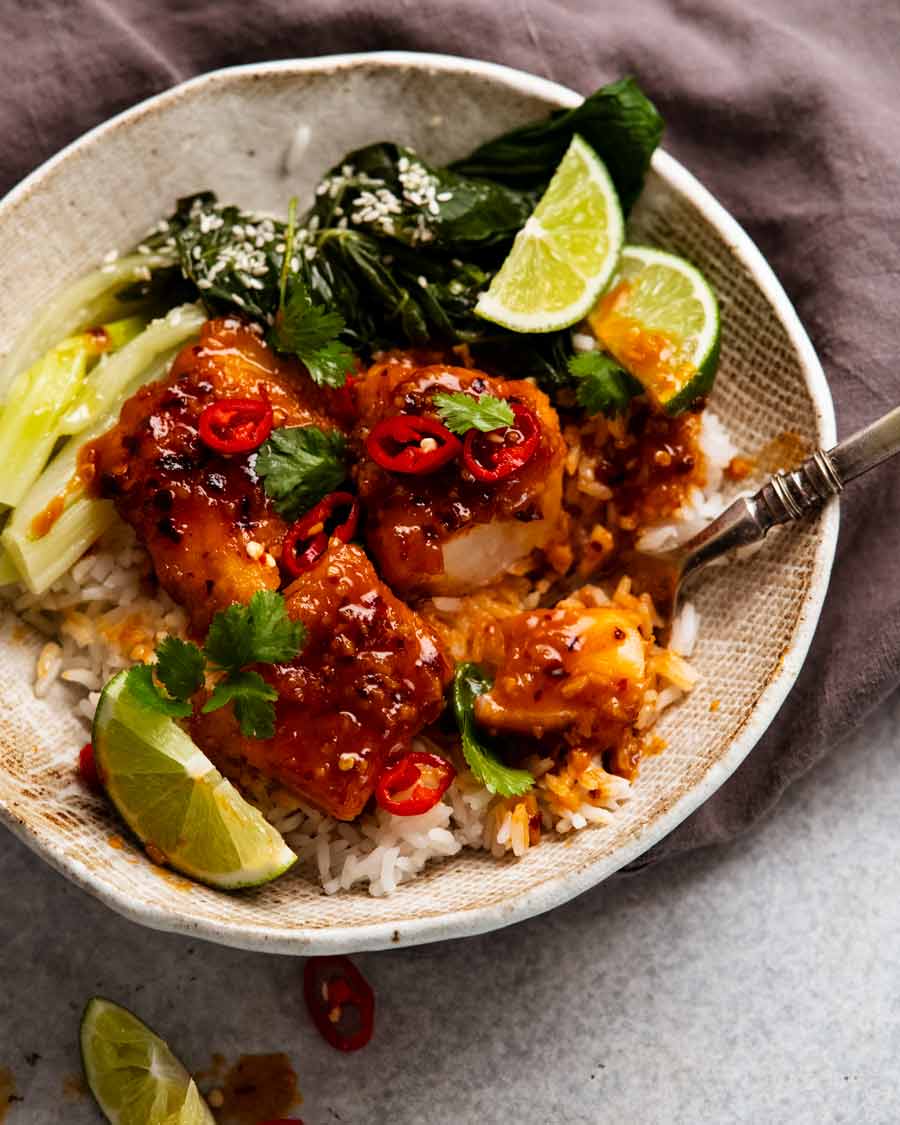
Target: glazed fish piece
[204, 517]
[576, 675]
[446, 532]
[370, 676]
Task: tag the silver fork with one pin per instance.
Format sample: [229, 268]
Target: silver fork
[785, 498]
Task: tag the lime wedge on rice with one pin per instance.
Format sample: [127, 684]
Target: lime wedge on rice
[660, 320]
[174, 799]
[565, 254]
[132, 1073]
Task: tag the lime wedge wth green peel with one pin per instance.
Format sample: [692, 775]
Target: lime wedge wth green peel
[175, 800]
[132, 1073]
[660, 320]
[565, 254]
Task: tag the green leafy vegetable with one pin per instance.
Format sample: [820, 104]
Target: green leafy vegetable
[145, 690]
[258, 633]
[289, 235]
[461, 412]
[180, 667]
[392, 192]
[603, 386]
[299, 465]
[311, 333]
[232, 256]
[398, 250]
[469, 682]
[253, 702]
[619, 122]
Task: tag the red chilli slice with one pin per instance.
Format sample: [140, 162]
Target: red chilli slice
[340, 1001]
[87, 768]
[307, 540]
[497, 454]
[412, 443]
[415, 784]
[236, 425]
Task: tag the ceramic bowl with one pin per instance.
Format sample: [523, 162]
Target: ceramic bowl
[256, 135]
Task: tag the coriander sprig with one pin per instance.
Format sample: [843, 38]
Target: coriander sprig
[461, 412]
[258, 633]
[603, 386]
[299, 465]
[311, 333]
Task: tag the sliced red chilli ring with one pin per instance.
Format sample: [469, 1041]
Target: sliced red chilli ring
[307, 540]
[236, 425]
[497, 454]
[87, 768]
[412, 443]
[340, 1001]
[415, 784]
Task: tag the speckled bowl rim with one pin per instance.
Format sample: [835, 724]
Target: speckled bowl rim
[552, 892]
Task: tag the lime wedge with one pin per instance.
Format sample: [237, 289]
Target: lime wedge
[175, 800]
[660, 320]
[133, 1075]
[565, 254]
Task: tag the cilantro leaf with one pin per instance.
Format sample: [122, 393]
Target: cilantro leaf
[299, 465]
[330, 365]
[143, 687]
[180, 667]
[469, 682]
[311, 332]
[461, 412]
[260, 632]
[304, 327]
[254, 702]
[603, 385]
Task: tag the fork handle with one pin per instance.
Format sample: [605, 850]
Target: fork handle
[790, 495]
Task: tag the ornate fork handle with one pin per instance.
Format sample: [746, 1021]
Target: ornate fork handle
[788, 496]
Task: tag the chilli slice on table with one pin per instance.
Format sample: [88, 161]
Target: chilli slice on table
[343, 468]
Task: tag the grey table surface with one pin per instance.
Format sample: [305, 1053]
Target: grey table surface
[757, 982]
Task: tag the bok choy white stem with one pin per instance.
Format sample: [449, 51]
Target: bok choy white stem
[39, 399]
[58, 520]
[85, 302]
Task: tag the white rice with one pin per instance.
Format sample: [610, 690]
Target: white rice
[103, 616]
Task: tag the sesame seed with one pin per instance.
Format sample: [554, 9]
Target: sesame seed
[347, 761]
[254, 549]
[428, 445]
[269, 560]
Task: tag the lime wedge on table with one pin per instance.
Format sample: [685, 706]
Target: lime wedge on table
[133, 1075]
[565, 254]
[660, 320]
[174, 799]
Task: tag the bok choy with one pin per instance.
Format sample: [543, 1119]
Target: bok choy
[39, 401]
[58, 519]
